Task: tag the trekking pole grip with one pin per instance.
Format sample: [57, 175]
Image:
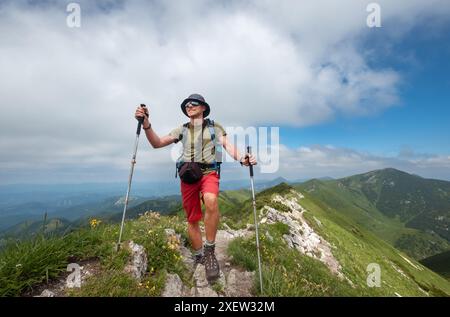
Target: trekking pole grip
[141, 122]
[249, 151]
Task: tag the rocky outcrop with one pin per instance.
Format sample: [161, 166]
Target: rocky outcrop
[301, 235]
[203, 288]
[174, 286]
[239, 283]
[46, 293]
[137, 265]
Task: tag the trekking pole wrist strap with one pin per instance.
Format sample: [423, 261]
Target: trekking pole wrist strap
[149, 126]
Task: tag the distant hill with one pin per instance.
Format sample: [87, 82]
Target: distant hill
[32, 227]
[406, 210]
[109, 210]
[418, 202]
[326, 178]
[26, 202]
[72, 210]
[167, 205]
[109, 205]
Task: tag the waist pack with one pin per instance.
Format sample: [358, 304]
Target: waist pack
[190, 172]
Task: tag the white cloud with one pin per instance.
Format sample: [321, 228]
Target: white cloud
[320, 161]
[67, 95]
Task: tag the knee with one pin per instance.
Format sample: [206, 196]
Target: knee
[211, 201]
[193, 224]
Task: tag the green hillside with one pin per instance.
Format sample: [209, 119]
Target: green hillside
[418, 202]
[30, 227]
[230, 202]
[289, 273]
[361, 197]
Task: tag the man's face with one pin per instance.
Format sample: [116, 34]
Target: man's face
[194, 109]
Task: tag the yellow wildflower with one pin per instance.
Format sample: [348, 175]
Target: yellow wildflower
[94, 223]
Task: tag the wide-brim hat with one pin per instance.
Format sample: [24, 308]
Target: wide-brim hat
[198, 98]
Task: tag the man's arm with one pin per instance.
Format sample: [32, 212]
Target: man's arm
[234, 152]
[156, 141]
[151, 135]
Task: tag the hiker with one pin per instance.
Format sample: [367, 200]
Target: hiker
[199, 171]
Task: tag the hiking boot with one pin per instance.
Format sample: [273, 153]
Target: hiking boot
[199, 259]
[211, 264]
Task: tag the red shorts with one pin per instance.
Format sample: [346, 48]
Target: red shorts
[190, 194]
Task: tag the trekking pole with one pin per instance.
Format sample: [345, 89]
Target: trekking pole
[256, 220]
[133, 162]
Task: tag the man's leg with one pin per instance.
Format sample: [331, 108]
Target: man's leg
[195, 235]
[211, 216]
[192, 208]
[210, 191]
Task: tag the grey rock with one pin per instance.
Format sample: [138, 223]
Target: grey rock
[174, 286]
[137, 266]
[206, 292]
[188, 260]
[269, 236]
[46, 293]
[200, 276]
[239, 284]
[226, 226]
[222, 280]
[170, 232]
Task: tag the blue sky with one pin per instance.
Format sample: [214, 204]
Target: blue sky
[419, 122]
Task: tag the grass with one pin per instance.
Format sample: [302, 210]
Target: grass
[285, 271]
[218, 287]
[119, 284]
[26, 264]
[30, 262]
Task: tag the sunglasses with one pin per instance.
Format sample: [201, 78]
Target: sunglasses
[192, 104]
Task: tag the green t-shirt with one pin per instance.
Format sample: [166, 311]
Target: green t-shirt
[197, 143]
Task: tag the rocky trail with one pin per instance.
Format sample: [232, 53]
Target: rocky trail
[233, 281]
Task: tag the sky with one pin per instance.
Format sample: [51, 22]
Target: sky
[347, 98]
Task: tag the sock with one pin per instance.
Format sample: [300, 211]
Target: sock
[198, 252]
[210, 243]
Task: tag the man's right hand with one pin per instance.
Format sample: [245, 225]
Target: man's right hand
[142, 112]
